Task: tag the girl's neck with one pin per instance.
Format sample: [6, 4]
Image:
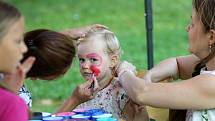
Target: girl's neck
[105, 82]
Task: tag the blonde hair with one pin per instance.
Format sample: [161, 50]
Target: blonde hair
[8, 16]
[111, 41]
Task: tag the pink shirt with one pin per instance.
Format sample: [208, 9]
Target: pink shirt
[12, 107]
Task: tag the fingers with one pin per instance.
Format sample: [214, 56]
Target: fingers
[96, 84]
[27, 64]
[88, 91]
[99, 26]
[86, 87]
[126, 66]
[81, 32]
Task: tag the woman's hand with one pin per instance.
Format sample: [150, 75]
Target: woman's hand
[83, 93]
[16, 79]
[76, 33]
[125, 67]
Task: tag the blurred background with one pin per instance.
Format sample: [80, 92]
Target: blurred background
[124, 17]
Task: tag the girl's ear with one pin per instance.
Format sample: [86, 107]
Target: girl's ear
[114, 60]
[212, 37]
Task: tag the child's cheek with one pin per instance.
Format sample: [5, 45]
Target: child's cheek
[81, 65]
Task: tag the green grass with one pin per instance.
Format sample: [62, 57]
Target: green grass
[124, 17]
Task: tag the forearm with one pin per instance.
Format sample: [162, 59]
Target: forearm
[132, 85]
[186, 65]
[186, 94]
[68, 105]
[153, 94]
[165, 69]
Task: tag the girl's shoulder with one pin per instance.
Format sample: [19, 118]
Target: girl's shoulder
[11, 101]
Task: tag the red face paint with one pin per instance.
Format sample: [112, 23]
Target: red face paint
[95, 70]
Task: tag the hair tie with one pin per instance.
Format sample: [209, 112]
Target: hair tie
[31, 45]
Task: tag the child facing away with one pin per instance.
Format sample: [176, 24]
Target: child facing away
[100, 49]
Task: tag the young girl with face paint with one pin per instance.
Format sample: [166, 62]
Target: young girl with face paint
[99, 54]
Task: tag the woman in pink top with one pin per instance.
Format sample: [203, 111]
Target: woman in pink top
[12, 48]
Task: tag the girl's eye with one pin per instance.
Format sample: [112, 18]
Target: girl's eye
[93, 59]
[81, 60]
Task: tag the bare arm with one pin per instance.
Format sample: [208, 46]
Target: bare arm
[68, 105]
[194, 93]
[165, 69]
[179, 67]
[81, 94]
[186, 65]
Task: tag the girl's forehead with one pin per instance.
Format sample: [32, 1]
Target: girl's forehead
[93, 55]
[93, 46]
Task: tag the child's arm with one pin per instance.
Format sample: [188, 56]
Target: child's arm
[134, 112]
[82, 93]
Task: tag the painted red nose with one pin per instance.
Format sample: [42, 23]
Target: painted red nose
[95, 70]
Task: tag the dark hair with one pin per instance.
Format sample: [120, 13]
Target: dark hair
[8, 16]
[54, 52]
[205, 11]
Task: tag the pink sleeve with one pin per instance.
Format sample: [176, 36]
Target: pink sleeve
[16, 111]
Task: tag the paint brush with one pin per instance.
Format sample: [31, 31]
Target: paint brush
[96, 72]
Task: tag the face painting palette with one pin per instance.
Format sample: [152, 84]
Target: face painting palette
[75, 115]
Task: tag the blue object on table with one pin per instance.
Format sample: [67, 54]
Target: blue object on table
[95, 112]
[80, 116]
[106, 119]
[102, 116]
[53, 119]
[106, 115]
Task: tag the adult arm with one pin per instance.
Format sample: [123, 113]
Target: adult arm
[194, 93]
[82, 93]
[176, 68]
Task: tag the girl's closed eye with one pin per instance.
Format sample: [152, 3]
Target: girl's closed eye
[19, 41]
